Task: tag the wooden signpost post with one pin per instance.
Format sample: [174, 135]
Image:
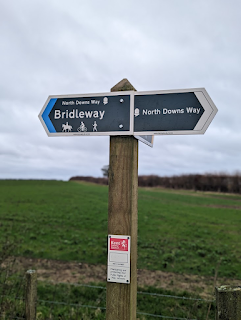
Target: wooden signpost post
[122, 216]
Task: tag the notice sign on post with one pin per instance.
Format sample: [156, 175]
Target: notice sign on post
[118, 265]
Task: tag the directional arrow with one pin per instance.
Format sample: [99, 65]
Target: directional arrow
[188, 111]
[95, 114]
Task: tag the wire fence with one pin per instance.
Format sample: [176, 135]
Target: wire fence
[83, 301]
[12, 296]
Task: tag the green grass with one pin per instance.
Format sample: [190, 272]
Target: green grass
[178, 231]
[150, 301]
[66, 301]
[190, 232]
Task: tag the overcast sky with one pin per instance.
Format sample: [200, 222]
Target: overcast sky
[58, 47]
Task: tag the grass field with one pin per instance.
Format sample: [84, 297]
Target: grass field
[178, 231]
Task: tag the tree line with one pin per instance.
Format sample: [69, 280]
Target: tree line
[220, 182]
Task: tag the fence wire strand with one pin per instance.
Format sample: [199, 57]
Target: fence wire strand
[144, 293]
[72, 304]
[174, 297]
[163, 317]
[3, 316]
[103, 308]
[12, 288]
[53, 302]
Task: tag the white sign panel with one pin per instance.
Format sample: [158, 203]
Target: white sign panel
[148, 140]
[118, 264]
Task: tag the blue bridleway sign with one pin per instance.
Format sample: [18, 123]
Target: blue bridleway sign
[88, 114]
[187, 111]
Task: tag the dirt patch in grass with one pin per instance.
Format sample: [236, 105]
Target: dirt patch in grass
[75, 272]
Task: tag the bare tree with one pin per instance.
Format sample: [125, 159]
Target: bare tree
[105, 171]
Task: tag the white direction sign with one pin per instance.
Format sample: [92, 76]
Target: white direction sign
[188, 111]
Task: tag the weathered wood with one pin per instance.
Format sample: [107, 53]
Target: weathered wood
[122, 217]
[228, 303]
[31, 295]
[123, 85]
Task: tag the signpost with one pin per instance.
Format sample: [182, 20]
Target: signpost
[126, 116]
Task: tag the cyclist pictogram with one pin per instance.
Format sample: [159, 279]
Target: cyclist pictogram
[82, 127]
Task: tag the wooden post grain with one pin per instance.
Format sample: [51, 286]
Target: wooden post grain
[228, 303]
[31, 295]
[122, 216]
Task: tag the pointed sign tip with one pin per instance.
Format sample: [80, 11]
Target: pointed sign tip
[123, 85]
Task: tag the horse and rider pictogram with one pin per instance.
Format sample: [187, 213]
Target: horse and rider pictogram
[66, 127]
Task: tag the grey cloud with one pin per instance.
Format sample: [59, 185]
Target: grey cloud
[56, 47]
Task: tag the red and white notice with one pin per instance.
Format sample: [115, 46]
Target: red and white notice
[118, 265]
